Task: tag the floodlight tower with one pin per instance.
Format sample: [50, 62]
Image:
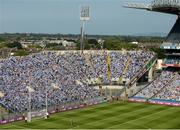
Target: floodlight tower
[84, 17]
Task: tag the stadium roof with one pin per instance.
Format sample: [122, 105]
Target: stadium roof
[164, 6]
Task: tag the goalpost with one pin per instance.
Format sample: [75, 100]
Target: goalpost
[37, 114]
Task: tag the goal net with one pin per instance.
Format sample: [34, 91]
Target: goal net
[36, 114]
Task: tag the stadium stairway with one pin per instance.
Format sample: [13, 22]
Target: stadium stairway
[108, 62]
[3, 111]
[125, 69]
[6, 109]
[146, 85]
[141, 72]
[170, 81]
[142, 88]
[89, 62]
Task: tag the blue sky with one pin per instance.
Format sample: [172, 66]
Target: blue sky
[62, 16]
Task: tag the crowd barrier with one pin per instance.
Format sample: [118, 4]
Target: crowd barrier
[155, 101]
[11, 119]
[165, 102]
[137, 99]
[55, 109]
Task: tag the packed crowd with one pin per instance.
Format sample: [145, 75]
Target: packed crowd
[166, 86]
[118, 63]
[100, 65]
[137, 60]
[171, 91]
[62, 75]
[40, 71]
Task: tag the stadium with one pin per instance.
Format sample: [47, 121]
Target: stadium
[96, 89]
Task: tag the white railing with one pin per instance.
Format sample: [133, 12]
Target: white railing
[154, 4]
[165, 3]
[137, 5]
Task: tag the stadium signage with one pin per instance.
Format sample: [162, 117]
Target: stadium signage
[137, 100]
[155, 101]
[165, 103]
[63, 108]
[170, 65]
[12, 119]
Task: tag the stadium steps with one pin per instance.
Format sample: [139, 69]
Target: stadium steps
[108, 62]
[89, 62]
[170, 81]
[142, 71]
[143, 88]
[147, 85]
[2, 110]
[6, 109]
[125, 69]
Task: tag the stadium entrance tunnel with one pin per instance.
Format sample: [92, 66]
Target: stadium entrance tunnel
[110, 91]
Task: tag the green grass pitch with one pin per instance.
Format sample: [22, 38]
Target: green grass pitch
[116, 115]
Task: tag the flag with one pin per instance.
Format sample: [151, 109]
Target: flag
[54, 86]
[1, 94]
[30, 89]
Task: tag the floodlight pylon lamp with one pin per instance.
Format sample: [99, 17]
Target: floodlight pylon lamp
[85, 13]
[84, 16]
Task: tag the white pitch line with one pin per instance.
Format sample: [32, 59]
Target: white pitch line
[141, 117]
[113, 117]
